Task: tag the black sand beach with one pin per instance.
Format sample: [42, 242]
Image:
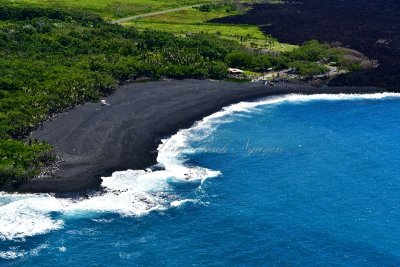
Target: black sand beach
[94, 140]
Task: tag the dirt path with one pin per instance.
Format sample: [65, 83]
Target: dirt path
[153, 14]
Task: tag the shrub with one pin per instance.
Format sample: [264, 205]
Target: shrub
[308, 68]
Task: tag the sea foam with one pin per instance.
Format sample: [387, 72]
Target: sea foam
[14, 253]
[136, 192]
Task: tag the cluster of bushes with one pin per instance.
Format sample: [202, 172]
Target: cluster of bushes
[22, 161]
[255, 61]
[307, 69]
[309, 59]
[227, 5]
[8, 12]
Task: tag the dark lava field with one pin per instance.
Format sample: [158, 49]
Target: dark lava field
[369, 26]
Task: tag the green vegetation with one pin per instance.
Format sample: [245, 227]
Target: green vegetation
[308, 59]
[114, 9]
[308, 69]
[193, 21]
[196, 21]
[111, 9]
[21, 161]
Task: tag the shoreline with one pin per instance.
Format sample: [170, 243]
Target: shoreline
[93, 141]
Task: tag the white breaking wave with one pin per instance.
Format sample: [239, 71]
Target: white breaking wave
[14, 253]
[135, 192]
[178, 203]
[27, 215]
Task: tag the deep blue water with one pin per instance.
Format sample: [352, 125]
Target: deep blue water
[303, 184]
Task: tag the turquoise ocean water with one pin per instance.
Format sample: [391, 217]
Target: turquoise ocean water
[288, 181]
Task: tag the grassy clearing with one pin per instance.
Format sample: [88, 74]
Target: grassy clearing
[181, 22]
[194, 21]
[112, 9]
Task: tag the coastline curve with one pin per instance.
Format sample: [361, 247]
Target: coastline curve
[94, 141]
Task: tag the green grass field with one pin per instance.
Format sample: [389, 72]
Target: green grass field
[180, 22]
[112, 9]
[195, 21]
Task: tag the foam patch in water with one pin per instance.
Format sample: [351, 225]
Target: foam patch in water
[27, 216]
[14, 253]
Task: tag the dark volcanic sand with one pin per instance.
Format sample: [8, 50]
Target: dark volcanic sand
[369, 26]
[95, 140]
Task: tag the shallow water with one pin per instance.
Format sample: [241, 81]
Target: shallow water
[287, 181]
